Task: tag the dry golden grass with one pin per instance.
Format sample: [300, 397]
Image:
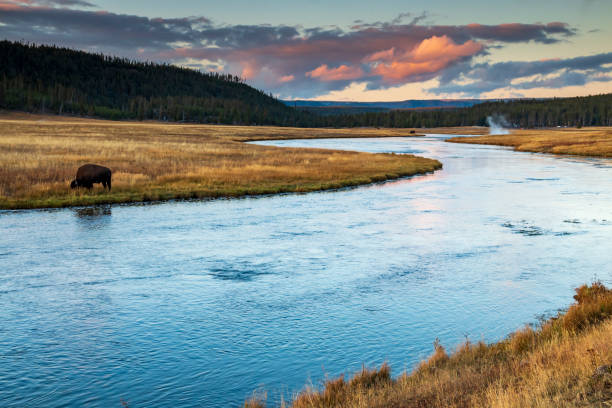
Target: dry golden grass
[592, 141]
[566, 362]
[456, 130]
[39, 156]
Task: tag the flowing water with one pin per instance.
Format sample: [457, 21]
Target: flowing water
[200, 303]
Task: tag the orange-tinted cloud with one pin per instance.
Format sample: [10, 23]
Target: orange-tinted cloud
[430, 56]
[341, 73]
[444, 47]
[384, 55]
[249, 70]
[287, 78]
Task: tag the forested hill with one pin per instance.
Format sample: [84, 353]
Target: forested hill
[63, 81]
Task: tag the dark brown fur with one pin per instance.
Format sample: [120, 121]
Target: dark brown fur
[90, 174]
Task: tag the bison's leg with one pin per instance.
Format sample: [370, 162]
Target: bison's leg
[108, 183]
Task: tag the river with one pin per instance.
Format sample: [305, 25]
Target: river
[203, 302]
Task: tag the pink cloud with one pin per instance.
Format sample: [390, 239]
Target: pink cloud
[42, 4]
[249, 70]
[11, 5]
[287, 78]
[385, 55]
[410, 59]
[445, 48]
[428, 57]
[343, 72]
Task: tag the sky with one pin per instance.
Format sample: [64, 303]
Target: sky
[383, 50]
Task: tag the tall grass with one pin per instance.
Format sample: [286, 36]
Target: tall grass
[592, 141]
[39, 155]
[564, 362]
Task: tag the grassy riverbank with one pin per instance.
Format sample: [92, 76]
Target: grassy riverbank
[154, 161]
[592, 141]
[565, 362]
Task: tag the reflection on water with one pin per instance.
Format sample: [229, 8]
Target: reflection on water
[200, 303]
[93, 218]
[96, 211]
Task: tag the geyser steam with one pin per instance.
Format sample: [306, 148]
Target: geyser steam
[497, 125]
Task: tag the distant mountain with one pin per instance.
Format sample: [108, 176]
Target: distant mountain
[64, 81]
[407, 104]
[336, 108]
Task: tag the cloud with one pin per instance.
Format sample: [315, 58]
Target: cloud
[515, 32]
[383, 55]
[428, 58]
[47, 3]
[551, 73]
[400, 18]
[292, 60]
[419, 52]
[341, 73]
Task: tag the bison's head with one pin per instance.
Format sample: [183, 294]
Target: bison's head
[74, 184]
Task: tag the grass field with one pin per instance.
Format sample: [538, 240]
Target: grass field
[151, 161]
[565, 362]
[592, 141]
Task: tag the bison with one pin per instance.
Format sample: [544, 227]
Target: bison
[89, 174]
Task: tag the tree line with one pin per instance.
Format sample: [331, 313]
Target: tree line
[520, 113]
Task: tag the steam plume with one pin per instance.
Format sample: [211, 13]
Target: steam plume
[497, 125]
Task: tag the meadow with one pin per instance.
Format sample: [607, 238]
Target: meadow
[591, 141]
[153, 161]
[564, 362]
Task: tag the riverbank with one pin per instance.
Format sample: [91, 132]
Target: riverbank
[591, 141]
[565, 362]
[152, 161]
